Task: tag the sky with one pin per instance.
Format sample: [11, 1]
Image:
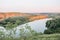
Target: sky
[30, 6]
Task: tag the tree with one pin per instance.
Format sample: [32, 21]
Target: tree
[13, 22]
[53, 26]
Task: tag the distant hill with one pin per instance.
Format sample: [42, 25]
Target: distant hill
[11, 14]
[31, 16]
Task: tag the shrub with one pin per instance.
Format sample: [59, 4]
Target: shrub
[13, 22]
[53, 26]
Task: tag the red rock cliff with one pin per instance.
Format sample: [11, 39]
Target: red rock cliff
[13, 14]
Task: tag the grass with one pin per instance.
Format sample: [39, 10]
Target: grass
[45, 37]
[37, 37]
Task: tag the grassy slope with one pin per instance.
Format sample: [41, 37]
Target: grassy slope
[37, 37]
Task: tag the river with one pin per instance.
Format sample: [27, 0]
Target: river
[37, 25]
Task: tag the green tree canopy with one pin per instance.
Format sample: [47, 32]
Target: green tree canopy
[53, 26]
[13, 22]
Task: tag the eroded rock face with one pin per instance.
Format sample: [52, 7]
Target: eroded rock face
[37, 17]
[11, 14]
[14, 14]
[1, 16]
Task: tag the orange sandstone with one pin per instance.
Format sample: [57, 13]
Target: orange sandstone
[13, 14]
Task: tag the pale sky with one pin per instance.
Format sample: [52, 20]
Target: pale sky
[30, 6]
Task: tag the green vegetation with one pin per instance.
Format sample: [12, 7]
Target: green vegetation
[29, 35]
[53, 26]
[13, 22]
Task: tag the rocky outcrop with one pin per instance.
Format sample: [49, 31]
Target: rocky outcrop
[15, 14]
[37, 17]
[11, 14]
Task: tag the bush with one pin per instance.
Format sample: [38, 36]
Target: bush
[53, 26]
[48, 32]
[13, 22]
